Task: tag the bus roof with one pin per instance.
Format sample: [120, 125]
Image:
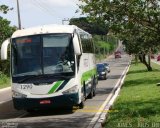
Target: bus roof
[53, 28]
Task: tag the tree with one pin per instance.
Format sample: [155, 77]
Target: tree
[4, 9]
[93, 27]
[5, 32]
[137, 22]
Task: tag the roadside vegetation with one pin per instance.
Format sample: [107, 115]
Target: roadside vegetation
[105, 43]
[135, 22]
[104, 46]
[5, 32]
[138, 102]
[4, 81]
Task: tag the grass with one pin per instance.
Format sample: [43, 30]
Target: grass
[4, 81]
[138, 104]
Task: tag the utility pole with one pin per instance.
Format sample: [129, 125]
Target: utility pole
[18, 13]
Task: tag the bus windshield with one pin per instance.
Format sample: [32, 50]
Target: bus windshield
[43, 54]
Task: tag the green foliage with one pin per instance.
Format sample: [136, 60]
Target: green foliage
[104, 45]
[4, 80]
[139, 98]
[93, 27]
[136, 22]
[5, 32]
[5, 29]
[4, 9]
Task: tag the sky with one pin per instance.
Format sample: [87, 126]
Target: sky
[41, 12]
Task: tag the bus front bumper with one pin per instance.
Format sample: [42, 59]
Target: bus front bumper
[67, 100]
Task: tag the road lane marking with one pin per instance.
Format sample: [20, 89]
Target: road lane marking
[105, 105]
[97, 110]
[97, 115]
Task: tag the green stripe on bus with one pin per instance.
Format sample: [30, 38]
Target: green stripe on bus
[55, 86]
[87, 75]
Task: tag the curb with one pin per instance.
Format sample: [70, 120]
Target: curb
[100, 118]
[5, 89]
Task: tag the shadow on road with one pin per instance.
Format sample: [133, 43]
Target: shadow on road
[102, 91]
[114, 76]
[75, 121]
[49, 112]
[7, 111]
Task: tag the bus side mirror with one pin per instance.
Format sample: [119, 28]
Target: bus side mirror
[4, 48]
[76, 45]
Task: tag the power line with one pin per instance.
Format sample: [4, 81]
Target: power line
[46, 5]
[42, 5]
[39, 6]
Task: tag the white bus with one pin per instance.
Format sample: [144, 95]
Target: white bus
[51, 66]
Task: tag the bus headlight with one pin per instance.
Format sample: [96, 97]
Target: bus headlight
[18, 95]
[73, 89]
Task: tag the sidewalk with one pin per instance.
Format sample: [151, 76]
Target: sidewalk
[5, 95]
[5, 89]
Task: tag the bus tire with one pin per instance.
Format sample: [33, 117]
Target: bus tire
[94, 91]
[94, 86]
[90, 96]
[82, 104]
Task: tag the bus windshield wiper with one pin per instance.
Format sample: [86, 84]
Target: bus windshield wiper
[59, 75]
[30, 77]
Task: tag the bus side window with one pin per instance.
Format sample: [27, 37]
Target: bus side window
[87, 44]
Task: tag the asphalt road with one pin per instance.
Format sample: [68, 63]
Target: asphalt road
[62, 118]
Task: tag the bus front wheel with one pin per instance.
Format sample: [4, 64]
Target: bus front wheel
[82, 104]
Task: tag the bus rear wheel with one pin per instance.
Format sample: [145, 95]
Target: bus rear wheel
[94, 86]
[93, 89]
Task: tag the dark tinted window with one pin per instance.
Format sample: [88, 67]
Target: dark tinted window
[26, 52]
[100, 67]
[43, 54]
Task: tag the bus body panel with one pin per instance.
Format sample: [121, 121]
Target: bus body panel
[43, 90]
[47, 102]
